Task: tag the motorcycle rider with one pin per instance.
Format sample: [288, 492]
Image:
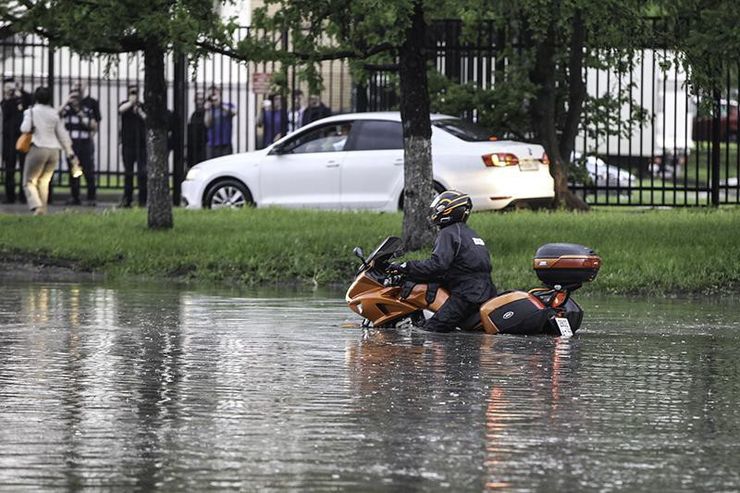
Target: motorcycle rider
[460, 261]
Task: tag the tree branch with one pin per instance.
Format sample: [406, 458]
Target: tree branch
[330, 55]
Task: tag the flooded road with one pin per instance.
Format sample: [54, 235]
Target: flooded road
[165, 389]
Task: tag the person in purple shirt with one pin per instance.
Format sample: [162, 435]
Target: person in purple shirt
[271, 119]
[218, 119]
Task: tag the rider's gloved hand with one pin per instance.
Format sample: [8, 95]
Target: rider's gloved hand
[395, 268]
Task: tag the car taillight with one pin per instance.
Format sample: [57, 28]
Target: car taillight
[545, 158]
[500, 159]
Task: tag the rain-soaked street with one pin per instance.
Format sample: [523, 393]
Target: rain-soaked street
[157, 387]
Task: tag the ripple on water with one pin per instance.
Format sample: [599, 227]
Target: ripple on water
[164, 389]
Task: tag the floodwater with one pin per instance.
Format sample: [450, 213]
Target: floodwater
[159, 388]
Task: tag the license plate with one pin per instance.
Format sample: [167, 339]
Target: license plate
[528, 165]
[564, 326]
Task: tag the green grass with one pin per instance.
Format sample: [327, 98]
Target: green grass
[652, 252]
[657, 197]
[699, 163]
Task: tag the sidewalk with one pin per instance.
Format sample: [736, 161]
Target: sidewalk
[107, 199]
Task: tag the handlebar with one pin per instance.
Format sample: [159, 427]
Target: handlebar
[393, 280]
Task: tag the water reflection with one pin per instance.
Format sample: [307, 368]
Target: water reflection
[156, 388]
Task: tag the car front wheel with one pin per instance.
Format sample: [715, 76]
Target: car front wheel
[231, 194]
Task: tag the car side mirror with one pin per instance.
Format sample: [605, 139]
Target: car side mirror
[277, 149]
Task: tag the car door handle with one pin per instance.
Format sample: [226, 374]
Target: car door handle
[398, 162]
[332, 164]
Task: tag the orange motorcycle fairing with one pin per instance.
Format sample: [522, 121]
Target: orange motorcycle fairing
[382, 305]
[362, 284]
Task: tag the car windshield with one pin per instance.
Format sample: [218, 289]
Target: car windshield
[464, 130]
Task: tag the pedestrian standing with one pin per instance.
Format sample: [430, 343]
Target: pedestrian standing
[87, 101]
[271, 119]
[219, 117]
[295, 117]
[81, 124]
[197, 132]
[133, 147]
[316, 110]
[15, 101]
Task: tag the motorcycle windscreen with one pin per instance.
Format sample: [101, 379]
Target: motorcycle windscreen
[516, 312]
[387, 248]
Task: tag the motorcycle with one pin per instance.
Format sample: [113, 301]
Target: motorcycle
[385, 299]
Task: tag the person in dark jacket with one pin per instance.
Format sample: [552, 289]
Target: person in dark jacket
[316, 110]
[197, 132]
[14, 102]
[133, 146]
[460, 261]
[81, 124]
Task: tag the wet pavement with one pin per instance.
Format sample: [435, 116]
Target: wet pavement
[156, 388]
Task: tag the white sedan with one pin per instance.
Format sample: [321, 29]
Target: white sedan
[355, 161]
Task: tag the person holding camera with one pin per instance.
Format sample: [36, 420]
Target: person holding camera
[81, 124]
[87, 101]
[49, 137]
[218, 119]
[133, 146]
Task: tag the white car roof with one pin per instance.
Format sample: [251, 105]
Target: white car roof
[394, 116]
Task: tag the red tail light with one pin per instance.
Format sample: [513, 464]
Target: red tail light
[545, 158]
[559, 298]
[500, 159]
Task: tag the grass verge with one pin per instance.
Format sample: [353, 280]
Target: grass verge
[648, 252]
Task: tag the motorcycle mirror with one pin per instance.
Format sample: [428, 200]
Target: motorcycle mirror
[359, 253]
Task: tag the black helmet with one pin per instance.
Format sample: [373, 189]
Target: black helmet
[450, 207]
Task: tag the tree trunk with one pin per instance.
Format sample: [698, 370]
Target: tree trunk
[155, 100]
[576, 86]
[544, 117]
[417, 135]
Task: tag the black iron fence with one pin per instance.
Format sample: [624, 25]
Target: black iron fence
[27, 61]
[661, 145]
[680, 155]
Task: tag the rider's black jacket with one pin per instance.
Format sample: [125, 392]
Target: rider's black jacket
[460, 261]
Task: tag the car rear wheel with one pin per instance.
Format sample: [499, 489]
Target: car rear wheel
[231, 194]
[437, 189]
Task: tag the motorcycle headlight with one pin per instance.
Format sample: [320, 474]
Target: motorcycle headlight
[193, 174]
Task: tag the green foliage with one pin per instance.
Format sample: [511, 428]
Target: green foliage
[539, 91]
[112, 26]
[501, 109]
[359, 30]
[707, 38]
[602, 115]
[643, 251]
